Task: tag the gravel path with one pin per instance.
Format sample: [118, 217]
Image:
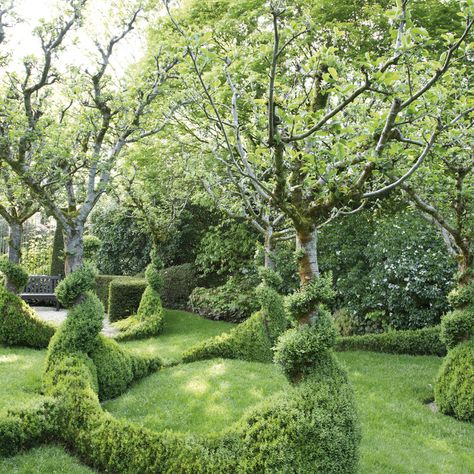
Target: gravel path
[48, 313]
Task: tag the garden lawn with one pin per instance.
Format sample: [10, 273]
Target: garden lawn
[401, 434]
[202, 397]
[20, 376]
[181, 331]
[43, 460]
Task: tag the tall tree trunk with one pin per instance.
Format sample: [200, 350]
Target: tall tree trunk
[15, 236]
[268, 248]
[306, 243]
[73, 247]
[465, 265]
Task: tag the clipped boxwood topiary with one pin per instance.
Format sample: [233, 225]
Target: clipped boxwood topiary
[17, 278]
[76, 284]
[19, 324]
[254, 338]
[454, 392]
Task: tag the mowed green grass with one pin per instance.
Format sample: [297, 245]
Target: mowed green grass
[43, 460]
[20, 376]
[201, 397]
[401, 434]
[180, 332]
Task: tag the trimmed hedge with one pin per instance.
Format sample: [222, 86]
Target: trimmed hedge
[454, 392]
[125, 294]
[178, 283]
[311, 427]
[254, 338]
[411, 341]
[147, 322]
[19, 324]
[102, 283]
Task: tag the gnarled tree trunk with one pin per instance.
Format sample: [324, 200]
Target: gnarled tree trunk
[268, 249]
[15, 236]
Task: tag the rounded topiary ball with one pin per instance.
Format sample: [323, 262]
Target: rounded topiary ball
[457, 326]
[301, 349]
[454, 392]
[462, 296]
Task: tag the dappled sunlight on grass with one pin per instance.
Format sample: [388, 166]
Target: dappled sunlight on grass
[201, 397]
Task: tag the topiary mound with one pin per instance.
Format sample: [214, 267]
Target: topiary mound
[148, 321]
[112, 369]
[454, 391]
[19, 324]
[253, 339]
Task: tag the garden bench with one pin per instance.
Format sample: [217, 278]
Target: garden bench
[41, 288]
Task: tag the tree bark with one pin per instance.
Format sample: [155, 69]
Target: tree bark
[15, 236]
[306, 243]
[73, 247]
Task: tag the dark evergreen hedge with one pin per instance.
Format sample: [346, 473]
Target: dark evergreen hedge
[412, 341]
[124, 297]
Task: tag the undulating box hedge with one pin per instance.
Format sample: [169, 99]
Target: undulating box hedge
[125, 294]
[253, 339]
[178, 283]
[311, 427]
[412, 341]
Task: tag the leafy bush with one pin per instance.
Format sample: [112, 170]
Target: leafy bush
[392, 262]
[424, 341]
[454, 392]
[92, 246]
[254, 338]
[19, 324]
[124, 297]
[301, 349]
[234, 301]
[17, 278]
[343, 321]
[76, 284]
[178, 283]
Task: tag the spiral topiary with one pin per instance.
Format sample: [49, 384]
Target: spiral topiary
[148, 321]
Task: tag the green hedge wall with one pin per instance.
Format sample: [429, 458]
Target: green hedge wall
[102, 283]
[125, 294]
[413, 342]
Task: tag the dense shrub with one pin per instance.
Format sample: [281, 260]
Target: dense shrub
[178, 283]
[254, 338]
[234, 301]
[57, 256]
[19, 324]
[454, 392]
[17, 278]
[92, 246]
[424, 341]
[391, 269]
[124, 297]
[110, 369]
